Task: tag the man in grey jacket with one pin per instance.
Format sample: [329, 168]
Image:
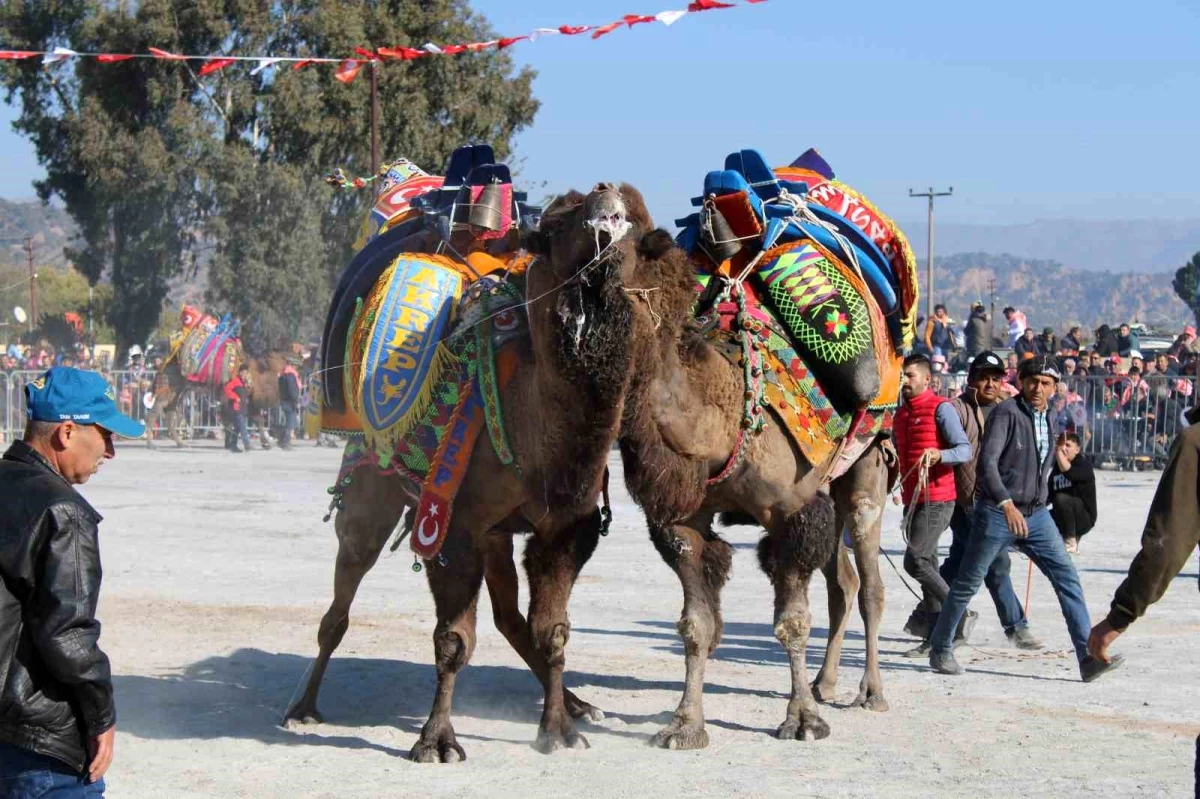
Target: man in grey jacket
[1014, 470]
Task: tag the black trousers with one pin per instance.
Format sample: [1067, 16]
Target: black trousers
[1071, 516]
[929, 520]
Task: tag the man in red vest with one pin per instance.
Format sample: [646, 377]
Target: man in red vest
[930, 440]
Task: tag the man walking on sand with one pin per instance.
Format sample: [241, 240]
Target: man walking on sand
[1014, 472]
[983, 395]
[57, 720]
[1170, 537]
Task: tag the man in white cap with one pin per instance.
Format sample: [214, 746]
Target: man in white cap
[57, 719]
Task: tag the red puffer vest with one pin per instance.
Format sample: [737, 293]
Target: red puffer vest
[916, 431]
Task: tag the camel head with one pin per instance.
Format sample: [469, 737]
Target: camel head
[591, 236]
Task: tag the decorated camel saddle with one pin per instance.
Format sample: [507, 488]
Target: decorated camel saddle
[813, 291]
[207, 349]
[418, 338]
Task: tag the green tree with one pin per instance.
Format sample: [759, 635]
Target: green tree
[156, 164]
[1186, 282]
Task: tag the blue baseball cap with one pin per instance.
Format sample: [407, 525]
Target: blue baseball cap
[73, 395]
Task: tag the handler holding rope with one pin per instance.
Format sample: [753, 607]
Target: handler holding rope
[1014, 471]
[930, 440]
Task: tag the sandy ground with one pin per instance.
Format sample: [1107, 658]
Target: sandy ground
[218, 568]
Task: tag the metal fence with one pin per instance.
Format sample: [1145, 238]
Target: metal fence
[1121, 422]
[198, 413]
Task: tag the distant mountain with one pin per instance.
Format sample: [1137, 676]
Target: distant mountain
[1137, 245]
[1052, 295]
[50, 228]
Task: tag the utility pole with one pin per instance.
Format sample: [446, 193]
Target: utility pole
[992, 312]
[32, 283]
[375, 123]
[929, 264]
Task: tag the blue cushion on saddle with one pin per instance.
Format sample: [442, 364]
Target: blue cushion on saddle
[753, 167]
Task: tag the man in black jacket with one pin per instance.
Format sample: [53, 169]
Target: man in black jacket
[57, 720]
[1014, 470]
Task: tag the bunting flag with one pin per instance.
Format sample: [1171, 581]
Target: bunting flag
[347, 68]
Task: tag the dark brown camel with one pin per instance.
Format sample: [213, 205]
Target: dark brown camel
[562, 413]
[681, 425]
[170, 388]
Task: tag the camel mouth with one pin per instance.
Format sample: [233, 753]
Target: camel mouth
[607, 216]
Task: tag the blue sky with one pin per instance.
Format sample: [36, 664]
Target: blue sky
[1030, 110]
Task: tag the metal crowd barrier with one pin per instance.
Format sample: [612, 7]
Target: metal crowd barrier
[1120, 424]
[198, 413]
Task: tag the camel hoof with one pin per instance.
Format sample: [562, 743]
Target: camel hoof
[813, 729]
[874, 702]
[298, 717]
[681, 738]
[822, 694]
[447, 751]
[548, 742]
[578, 709]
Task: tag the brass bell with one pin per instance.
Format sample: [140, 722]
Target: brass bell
[717, 238]
[485, 212]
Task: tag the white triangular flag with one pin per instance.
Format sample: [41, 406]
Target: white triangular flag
[430, 47]
[264, 63]
[533, 37]
[669, 17]
[58, 54]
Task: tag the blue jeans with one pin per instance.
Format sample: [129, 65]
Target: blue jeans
[998, 582]
[1044, 546]
[27, 775]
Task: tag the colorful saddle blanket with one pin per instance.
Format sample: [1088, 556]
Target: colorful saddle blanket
[780, 378]
[207, 352]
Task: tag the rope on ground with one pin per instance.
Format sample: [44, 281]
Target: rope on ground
[900, 575]
[1058, 654]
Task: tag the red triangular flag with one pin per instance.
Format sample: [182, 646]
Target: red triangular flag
[401, 53]
[510, 42]
[609, 28]
[367, 54]
[347, 71]
[169, 56]
[569, 30]
[216, 65]
[17, 55]
[112, 58]
[637, 19]
[453, 49]
[302, 63]
[707, 5]
[475, 47]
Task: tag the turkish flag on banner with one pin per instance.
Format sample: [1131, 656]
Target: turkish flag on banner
[347, 71]
[216, 65]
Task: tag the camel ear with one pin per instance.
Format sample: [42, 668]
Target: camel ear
[655, 244]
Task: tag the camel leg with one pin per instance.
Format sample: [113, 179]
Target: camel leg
[795, 546]
[263, 439]
[841, 584]
[552, 566]
[702, 561]
[865, 533]
[500, 574]
[454, 578]
[362, 529]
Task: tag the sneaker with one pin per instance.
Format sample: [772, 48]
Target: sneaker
[1022, 638]
[1072, 545]
[966, 626]
[944, 663]
[1090, 669]
[919, 624]
[921, 650]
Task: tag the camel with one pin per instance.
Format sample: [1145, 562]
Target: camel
[686, 460]
[562, 409]
[170, 388]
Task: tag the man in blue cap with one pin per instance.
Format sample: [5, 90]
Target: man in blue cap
[57, 720]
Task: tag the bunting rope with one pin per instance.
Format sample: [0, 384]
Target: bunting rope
[348, 67]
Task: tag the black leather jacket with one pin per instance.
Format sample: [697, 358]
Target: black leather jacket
[57, 689]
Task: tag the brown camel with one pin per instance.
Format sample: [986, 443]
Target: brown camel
[681, 428]
[562, 412]
[170, 388]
